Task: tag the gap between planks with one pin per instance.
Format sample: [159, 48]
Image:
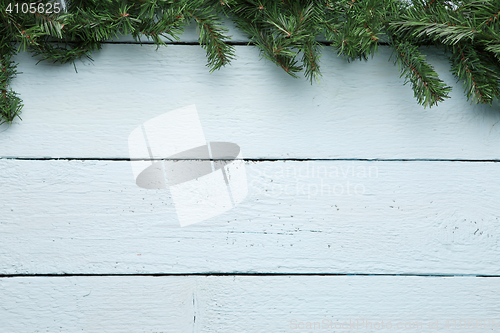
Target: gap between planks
[251, 159]
[245, 274]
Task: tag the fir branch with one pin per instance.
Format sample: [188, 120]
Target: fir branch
[489, 15]
[357, 27]
[212, 38]
[282, 30]
[68, 52]
[481, 81]
[427, 87]
[272, 38]
[49, 24]
[310, 60]
[158, 21]
[10, 104]
[446, 33]
[494, 48]
[275, 51]
[355, 42]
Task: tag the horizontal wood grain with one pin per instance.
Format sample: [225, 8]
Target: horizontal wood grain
[299, 217]
[415, 210]
[359, 110]
[247, 303]
[103, 304]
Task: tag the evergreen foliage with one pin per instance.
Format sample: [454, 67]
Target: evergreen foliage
[286, 32]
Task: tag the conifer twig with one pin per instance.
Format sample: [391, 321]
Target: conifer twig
[427, 87]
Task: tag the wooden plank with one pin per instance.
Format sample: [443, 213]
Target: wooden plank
[360, 110]
[97, 304]
[299, 217]
[280, 304]
[248, 303]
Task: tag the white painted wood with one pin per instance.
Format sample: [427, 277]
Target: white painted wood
[245, 303]
[97, 304]
[270, 304]
[360, 110]
[411, 217]
[407, 217]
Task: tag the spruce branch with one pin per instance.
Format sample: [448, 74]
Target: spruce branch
[285, 32]
[446, 33]
[10, 104]
[310, 59]
[481, 81]
[489, 15]
[158, 20]
[212, 37]
[355, 42]
[282, 31]
[494, 48]
[49, 24]
[355, 27]
[277, 52]
[272, 37]
[427, 87]
[64, 53]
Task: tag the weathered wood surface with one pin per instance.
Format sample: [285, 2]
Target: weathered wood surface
[360, 110]
[419, 212]
[248, 304]
[299, 217]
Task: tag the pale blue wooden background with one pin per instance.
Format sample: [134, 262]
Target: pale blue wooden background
[80, 241]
